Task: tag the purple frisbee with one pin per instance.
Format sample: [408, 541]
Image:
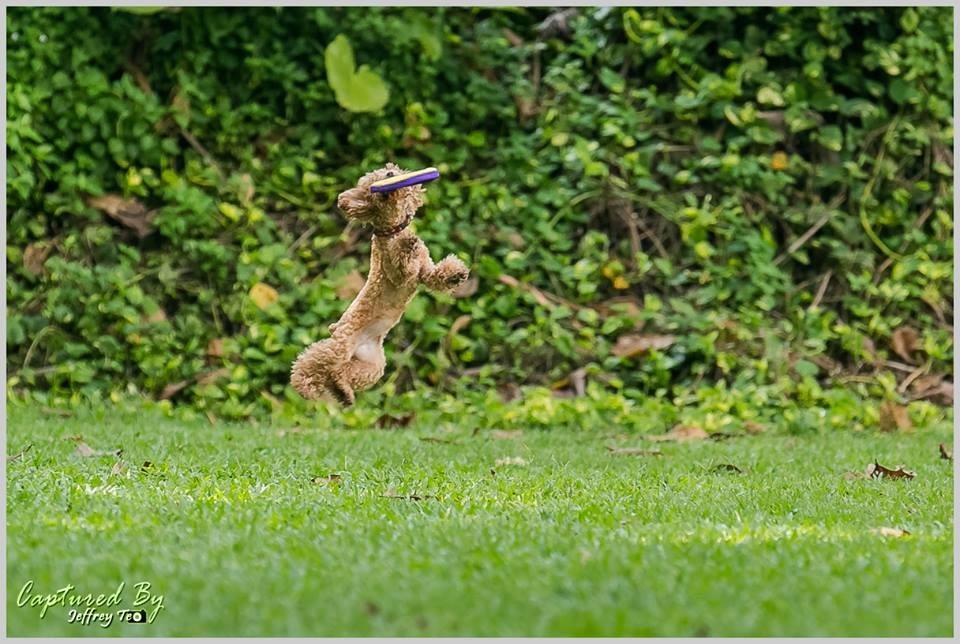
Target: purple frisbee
[406, 179]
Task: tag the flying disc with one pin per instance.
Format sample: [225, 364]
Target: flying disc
[406, 179]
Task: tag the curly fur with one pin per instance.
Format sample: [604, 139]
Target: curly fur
[352, 358]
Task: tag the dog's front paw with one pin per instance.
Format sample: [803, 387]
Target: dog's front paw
[454, 271]
[456, 279]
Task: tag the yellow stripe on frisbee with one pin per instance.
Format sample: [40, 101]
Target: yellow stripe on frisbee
[406, 179]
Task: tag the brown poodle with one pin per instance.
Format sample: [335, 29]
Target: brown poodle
[352, 358]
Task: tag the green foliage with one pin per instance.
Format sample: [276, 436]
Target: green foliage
[771, 186]
[358, 90]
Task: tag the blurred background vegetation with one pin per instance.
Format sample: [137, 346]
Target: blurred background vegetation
[721, 209]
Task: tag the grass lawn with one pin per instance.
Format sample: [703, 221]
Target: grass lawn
[230, 525]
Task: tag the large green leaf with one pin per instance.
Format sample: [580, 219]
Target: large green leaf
[358, 90]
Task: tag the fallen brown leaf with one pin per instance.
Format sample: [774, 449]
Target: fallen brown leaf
[392, 494]
[435, 439]
[891, 532]
[65, 413]
[215, 348]
[34, 255]
[328, 479]
[129, 212]
[879, 471]
[509, 391]
[934, 388]
[681, 433]
[753, 427]
[171, 389]
[467, 288]
[632, 451]
[945, 454]
[510, 460]
[458, 325]
[86, 451]
[247, 189]
[894, 416]
[13, 458]
[386, 420]
[213, 376]
[573, 385]
[117, 469]
[512, 37]
[156, 317]
[628, 346]
[350, 285]
[722, 436]
[726, 467]
[904, 341]
[505, 434]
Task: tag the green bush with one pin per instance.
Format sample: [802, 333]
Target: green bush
[768, 191]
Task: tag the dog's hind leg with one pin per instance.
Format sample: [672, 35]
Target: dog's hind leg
[339, 387]
[363, 375]
[315, 368]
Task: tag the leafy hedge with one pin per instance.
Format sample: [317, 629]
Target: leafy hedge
[666, 198]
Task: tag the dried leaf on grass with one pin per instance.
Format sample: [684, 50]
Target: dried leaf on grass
[392, 494]
[85, 451]
[893, 417]
[64, 413]
[877, 471]
[510, 460]
[945, 454]
[726, 467]
[891, 532]
[632, 451]
[129, 212]
[753, 427]
[328, 479]
[722, 436]
[436, 439]
[904, 341]
[387, 421]
[628, 346]
[681, 433]
[117, 468]
[13, 458]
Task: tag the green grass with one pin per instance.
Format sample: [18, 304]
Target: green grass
[229, 527]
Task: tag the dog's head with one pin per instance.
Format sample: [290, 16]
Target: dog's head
[382, 210]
